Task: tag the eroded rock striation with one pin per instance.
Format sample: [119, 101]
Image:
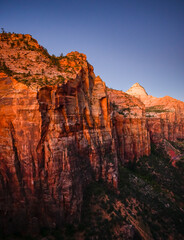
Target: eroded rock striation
[54, 141]
[61, 128]
[133, 138]
[55, 138]
[165, 116]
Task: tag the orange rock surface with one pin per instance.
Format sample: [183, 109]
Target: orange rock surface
[165, 116]
[61, 128]
[54, 140]
[133, 139]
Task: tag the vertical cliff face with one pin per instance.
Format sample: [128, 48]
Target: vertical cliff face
[165, 118]
[61, 128]
[59, 131]
[133, 139]
[76, 139]
[54, 141]
[20, 131]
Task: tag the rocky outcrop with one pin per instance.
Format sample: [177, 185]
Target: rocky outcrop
[137, 91]
[61, 128]
[133, 139]
[54, 141]
[165, 116]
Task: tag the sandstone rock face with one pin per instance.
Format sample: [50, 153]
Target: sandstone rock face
[138, 91]
[61, 128]
[165, 116]
[20, 133]
[133, 139]
[54, 141]
[25, 57]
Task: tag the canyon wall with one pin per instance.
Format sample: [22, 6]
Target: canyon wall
[60, 129]
[53, 143]
[133, 138]
[165, 116]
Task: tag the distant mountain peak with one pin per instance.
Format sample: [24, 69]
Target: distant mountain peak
[136, 85]
[138, 91]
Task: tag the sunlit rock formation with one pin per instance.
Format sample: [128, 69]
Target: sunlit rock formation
[165, 116]
[61, 128]
[137, 91]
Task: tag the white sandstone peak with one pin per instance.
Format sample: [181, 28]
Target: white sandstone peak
[137, 91]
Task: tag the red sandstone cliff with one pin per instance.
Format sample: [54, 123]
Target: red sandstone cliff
[54, 140]
[60, 128]
[133, 138]
[165, 116]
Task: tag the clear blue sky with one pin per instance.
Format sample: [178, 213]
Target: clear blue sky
[126, 41]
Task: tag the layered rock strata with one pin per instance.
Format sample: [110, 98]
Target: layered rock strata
[165, 116]
[55, 139]
[53, 142]
[61, 128]
[133, 138]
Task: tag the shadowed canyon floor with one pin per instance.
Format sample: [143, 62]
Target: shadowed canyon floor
[79, 160]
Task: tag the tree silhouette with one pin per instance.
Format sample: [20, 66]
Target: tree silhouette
[2, 30]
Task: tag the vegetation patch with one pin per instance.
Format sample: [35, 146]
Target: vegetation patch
[156, 109]
[5, 69]
[149, 199]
